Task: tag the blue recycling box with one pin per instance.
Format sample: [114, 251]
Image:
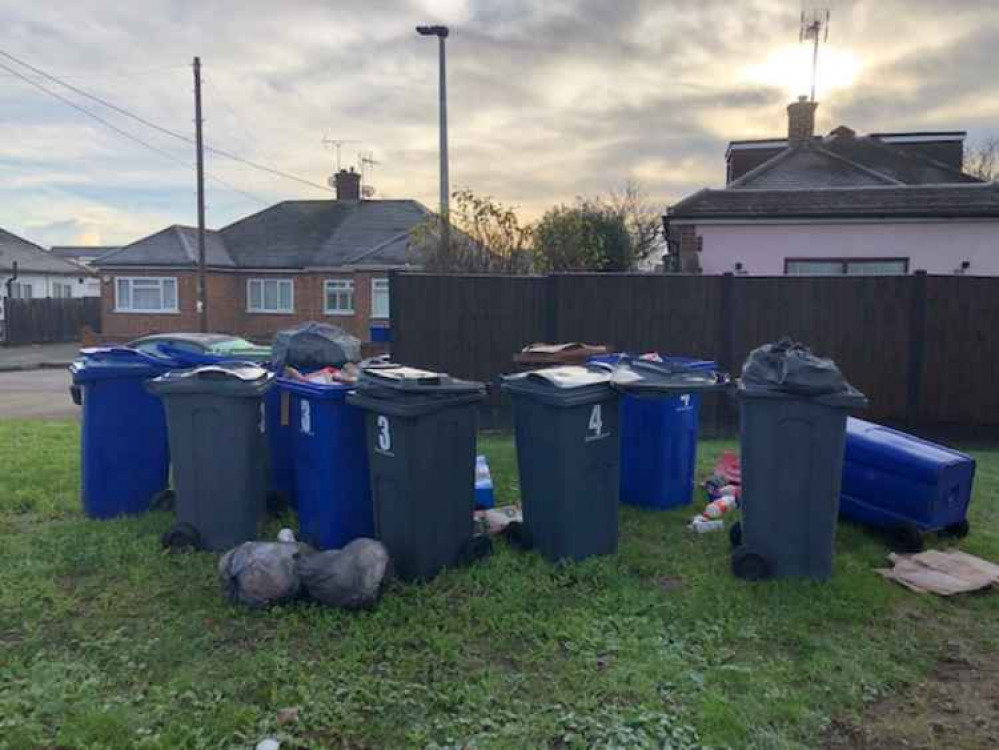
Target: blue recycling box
[659, 442]
[331, 475]
[891, 479]
[124, 455]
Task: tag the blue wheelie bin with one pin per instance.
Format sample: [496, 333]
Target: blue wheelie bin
[330, 464]
[659, 440]
[125, 460]
[903, 484]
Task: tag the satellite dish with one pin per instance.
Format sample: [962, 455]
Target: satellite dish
[368, 191]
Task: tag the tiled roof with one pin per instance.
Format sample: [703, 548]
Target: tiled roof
[76, 252]
[911, 201]
[289, 235]
[809, 166]
[32, 258]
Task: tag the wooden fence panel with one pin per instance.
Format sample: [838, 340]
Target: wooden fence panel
[43, 321]
[925, 350]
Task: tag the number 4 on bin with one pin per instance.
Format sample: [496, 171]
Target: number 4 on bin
[595, 427]
[383, 436]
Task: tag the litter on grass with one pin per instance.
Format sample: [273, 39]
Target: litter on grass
[941, 573]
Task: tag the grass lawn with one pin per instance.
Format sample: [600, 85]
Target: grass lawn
[106, 641]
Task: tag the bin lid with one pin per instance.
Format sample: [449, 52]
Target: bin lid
[669, 376]
[232, 379]
[113, 362]
[410, 391]
[569, 385]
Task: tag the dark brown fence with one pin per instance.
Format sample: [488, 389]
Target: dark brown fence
[925, 349]
[43, 321]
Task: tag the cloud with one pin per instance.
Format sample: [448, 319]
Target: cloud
[547, 100]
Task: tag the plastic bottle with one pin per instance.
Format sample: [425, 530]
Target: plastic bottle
[702, 525]
[721, 506]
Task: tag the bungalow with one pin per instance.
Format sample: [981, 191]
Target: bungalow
[884, 203]
[295, 261]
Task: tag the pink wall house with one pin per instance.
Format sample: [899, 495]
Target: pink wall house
[885, 203]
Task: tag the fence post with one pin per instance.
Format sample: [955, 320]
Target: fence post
[917, 343]
[551, 308]
[726, 341]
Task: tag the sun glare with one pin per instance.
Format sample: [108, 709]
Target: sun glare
[790, 68]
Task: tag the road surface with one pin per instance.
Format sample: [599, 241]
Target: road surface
[36, 394]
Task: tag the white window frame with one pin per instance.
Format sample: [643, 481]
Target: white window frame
[17, 289]
[338, 287]
[146, 281]
[66, 286]
[261, 309]
[376, 283]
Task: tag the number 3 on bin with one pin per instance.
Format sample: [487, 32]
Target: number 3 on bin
[384, 435]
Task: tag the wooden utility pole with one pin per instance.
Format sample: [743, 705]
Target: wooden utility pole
[199, 147]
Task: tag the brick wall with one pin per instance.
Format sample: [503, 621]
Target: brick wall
[227, 305]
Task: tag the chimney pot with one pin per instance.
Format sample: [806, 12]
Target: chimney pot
[801, 119]
[348, 185]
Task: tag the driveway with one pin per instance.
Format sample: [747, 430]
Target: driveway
[36, 394]
[37, 355]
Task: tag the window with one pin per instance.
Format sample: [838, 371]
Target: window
[846, 266]
[146, 294]
[379, 298]
[62, 289]
[269, 296]
[339, 297]
[20, 290]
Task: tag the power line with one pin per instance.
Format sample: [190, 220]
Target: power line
[250, 138]
[124, 133]
[166, 131]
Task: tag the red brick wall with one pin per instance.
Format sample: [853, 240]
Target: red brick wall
[227, 305]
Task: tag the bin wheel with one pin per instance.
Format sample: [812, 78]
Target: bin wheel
[518, 535]
[750, 566]
[735, 534]
[907, 539]
[182, 536]
[474, 549]
[162, 500]
[959, 529]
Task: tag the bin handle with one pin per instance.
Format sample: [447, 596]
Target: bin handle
[76, 395]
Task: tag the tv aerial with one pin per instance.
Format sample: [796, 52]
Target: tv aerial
[338, 143]
[814, 28]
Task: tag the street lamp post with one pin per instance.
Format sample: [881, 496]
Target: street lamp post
[441, 33]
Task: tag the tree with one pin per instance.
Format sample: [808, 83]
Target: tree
[983, 159]
[612, 233]
[485, 237]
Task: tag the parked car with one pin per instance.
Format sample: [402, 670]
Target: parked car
[210, 344]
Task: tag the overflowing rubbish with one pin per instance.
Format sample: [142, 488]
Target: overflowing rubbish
[484, 497]
[942, 573]
[542, 355]
[904, 485]
[725, 478]
[494, 521]
[793, 408]
[312, 346]
[703, 525]
[349, 578]
[260, 574]
[326, 375]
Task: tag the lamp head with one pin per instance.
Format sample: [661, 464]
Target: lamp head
[441, 31]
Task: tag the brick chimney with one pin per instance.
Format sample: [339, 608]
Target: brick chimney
[348, 185]
[801, 119]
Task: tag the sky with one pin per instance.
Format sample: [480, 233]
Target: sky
[548, 99]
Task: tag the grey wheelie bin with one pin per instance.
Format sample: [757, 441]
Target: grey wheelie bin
[793, 408]
[215, 422]
[421, 453]
[566, 426]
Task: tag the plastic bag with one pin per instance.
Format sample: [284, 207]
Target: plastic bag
[349, 578]
[259, 574]
[312, 346]
[790, 367]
